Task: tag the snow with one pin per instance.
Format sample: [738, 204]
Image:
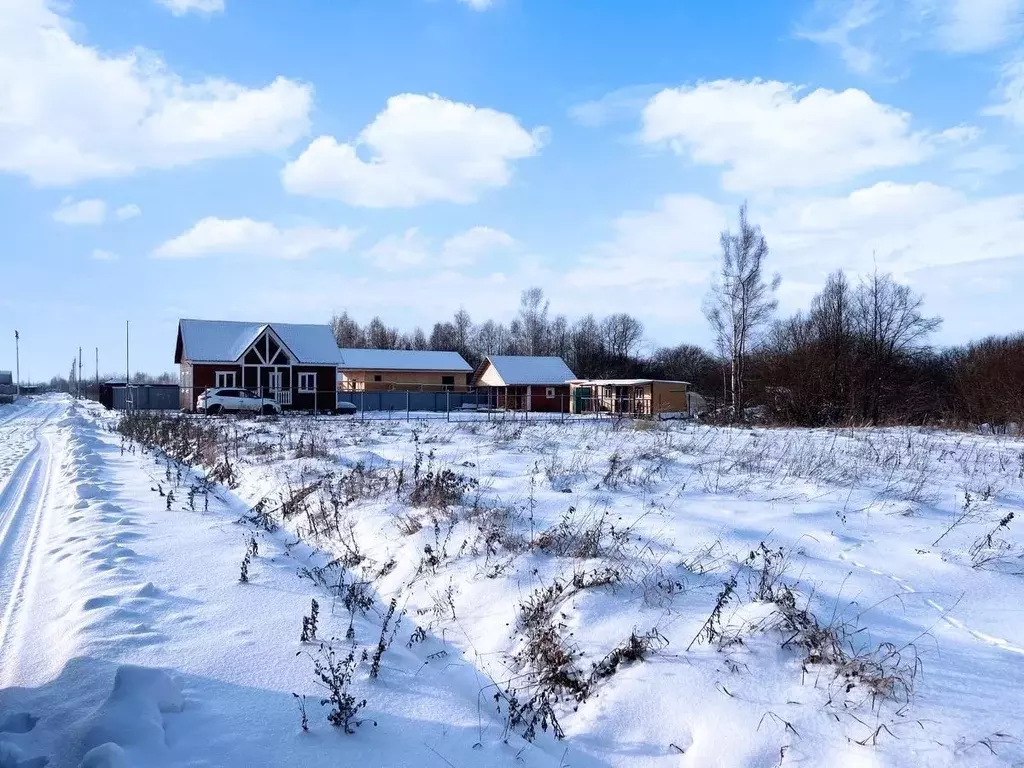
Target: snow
[403, 360]
[221, 341]
[129, 640]
[518, 370]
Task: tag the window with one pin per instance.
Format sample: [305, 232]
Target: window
[551, 393]
[307, 382]
[448, 382]
[224, 379]
[378, 377]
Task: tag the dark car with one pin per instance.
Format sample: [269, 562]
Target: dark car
[345, 407]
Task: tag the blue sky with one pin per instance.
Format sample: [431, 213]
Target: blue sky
[252, 159]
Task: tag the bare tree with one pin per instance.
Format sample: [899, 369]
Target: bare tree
[418, 339]
[622, 335]
[379, 336]
[463, 325]
[741, 302]
[533, 321]
[347, 332]
[889, 324]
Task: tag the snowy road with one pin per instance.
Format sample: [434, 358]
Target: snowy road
[26, 470]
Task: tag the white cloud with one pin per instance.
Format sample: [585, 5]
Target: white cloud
[478, 5]
[81, 211]
[658, 263]
[70, 112]
[672, 245]
[397, 251]
[413, 249]
[181, 7]
[621, 104]
[903, 228]
[774, 135]
[213, 236]
[841, 31]
[874, 35]
[126, 212]
[101, 255]
[420, 149]
[1011, 94]
[970, 26]
[472, 245]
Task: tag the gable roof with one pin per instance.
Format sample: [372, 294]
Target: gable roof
[403, 360]
[223, 341]
[517, 370]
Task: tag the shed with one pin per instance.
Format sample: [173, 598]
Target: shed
[381, 370]
[524, 383]
[142, 397]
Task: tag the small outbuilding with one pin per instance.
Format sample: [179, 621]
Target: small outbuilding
[386, 370]
[631, 397]
[521, 383]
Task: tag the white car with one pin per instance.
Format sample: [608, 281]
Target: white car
[229, 400]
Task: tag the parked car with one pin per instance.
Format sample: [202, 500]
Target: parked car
[228, 400]
[345, 407]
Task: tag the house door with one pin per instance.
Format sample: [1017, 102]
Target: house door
[275, 381]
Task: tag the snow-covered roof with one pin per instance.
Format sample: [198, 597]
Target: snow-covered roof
[516, 369]
[222, 341]
[402, 360]
[624, 382]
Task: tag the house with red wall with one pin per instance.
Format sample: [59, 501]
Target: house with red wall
[524, 383]
[296, 365]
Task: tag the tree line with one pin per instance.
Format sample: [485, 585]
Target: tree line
[859, 354]
[593, 347]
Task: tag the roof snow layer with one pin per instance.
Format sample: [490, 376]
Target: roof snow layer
[403, 360]
[517, 370]
[221, 341]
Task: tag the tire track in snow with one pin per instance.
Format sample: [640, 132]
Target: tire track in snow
[23, 506]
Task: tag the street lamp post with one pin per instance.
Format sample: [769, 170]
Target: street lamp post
[17, 362]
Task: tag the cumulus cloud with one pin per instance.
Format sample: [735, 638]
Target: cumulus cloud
[182, 7]
[70, 112]
[213, 236]
[81, 211]
[419, 149]
[769, 134]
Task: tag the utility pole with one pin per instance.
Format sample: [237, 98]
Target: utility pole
[78, 381]
[97, 371]
[17, 361]
[127, 368]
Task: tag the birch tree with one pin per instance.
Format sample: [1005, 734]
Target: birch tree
[741, 301]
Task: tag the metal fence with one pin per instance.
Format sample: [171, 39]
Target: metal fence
[144, 398]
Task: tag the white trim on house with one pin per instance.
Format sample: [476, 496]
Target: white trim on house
[304, 381]
[220, 379]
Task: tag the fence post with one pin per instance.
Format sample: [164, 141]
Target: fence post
[448, 404]
[362, 404]
[407, 408]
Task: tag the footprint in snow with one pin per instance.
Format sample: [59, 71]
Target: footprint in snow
[18, 722]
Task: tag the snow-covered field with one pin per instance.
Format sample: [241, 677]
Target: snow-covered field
[577, 594]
